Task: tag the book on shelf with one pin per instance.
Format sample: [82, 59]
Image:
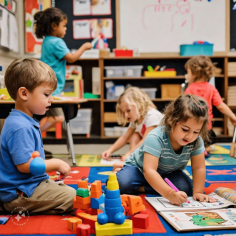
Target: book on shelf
[197, 215]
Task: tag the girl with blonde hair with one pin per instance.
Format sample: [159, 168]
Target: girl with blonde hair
[136, 108]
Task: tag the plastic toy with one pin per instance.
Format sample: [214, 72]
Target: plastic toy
[114, 212]
[37, 165]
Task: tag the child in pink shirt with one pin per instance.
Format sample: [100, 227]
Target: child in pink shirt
[199, 71]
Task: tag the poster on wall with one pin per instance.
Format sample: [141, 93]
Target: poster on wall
[13, 33]
[32, 43]
[92, 28]
[4, 27]
[91, 7]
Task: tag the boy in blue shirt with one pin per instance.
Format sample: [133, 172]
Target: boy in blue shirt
[30, 83]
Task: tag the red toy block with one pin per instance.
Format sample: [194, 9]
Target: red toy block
[143, 211]
[83, 200]
[92, 231]
[72, 223]
[83, 183]
[83, 230]
[135, 204]
[89, 211]
[140, 221]
[88, 219]
[96, 211]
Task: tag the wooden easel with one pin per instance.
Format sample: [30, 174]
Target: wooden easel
[233, 145]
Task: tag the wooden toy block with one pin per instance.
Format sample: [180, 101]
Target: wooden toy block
[83, 200]
[114, 229]
[83, 230]
[82, 192]
[96, 211]
[77, 205]
[135, 204]
[141, 221]
[96, 194]
[72, 223]
[88, 219]
[96, 186]
[83, 184]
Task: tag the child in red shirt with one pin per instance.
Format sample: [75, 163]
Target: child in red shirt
[199, 71]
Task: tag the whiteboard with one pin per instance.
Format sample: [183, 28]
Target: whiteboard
[163, 25]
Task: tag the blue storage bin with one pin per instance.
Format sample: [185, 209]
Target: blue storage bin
[196, 49]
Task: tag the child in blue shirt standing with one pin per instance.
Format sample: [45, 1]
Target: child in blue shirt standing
[51, 26]
[30, 83]
[166, 151]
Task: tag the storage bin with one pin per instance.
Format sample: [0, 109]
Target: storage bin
[123, 53]
[170, 90]
[114, 71]
[118, 131]
[80, 127]
[83, 115]
[196, 49]
[133, 71]
[159, 73]
[151, 92]
[109, 131]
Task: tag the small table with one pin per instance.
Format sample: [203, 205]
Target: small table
[69, 107]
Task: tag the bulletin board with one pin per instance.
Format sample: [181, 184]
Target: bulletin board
[74, 42]
[163, 25]
[232, 25]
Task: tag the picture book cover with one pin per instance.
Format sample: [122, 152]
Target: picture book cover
[161, 204]
[202, 220]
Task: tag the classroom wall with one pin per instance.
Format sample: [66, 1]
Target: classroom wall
[6, 57]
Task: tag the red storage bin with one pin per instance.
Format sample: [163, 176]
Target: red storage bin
[123, 53]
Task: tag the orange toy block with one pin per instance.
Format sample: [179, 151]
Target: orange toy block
[83, 230]
[96, 189]
[135, 204]
[124, 198]
[83, 200]
[77, 205]
[83, 184]
[88, 219]
[80, 211]
[126, 209]
[72, 223]
[141, 221]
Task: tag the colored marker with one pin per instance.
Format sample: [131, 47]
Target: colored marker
[172, 186]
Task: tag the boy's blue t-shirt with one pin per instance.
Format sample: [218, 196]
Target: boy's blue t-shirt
[20, 137]
[157, 143]
[53, 51]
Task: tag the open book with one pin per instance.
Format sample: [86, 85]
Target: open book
[197, 215]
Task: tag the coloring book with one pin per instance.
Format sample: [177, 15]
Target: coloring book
[197, 215]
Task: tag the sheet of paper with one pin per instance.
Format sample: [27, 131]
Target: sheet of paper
[4, 27]
[13, 31]
[81, 7]
[162, 204]
[109, 162]
[81, 29]
[101, 7]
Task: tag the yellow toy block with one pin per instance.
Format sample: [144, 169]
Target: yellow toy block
[114, 229]
[112, 183]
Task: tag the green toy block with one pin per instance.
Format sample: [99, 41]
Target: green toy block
[82, 192]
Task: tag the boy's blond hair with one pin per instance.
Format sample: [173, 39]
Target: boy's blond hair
[28, 73]
[201, 67]
[134, 97]
[185, 107]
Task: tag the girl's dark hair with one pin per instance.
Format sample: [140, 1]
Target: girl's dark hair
[185, 107]
[44, 19]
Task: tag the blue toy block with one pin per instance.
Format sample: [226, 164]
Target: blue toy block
[96, 202]
[116, 202]
[112, 193]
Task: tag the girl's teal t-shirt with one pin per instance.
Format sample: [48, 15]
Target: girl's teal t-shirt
[157, 143]
[53, 51]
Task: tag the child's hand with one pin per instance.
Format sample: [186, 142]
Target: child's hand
[177, 198]
[106, 154]
[87, 46]
[203, 197]
[64, 168]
